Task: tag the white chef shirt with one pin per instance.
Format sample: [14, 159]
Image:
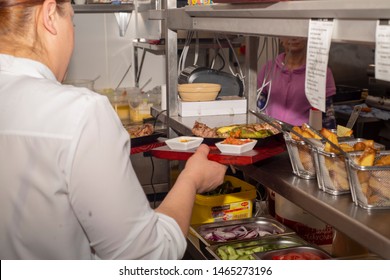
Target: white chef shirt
[66, 181]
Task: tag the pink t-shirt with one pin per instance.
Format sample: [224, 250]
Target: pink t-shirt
[287, 101]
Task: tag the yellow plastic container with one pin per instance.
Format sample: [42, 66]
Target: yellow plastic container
[216, 208]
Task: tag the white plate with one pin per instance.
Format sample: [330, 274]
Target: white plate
[236, 149]
[183, 143]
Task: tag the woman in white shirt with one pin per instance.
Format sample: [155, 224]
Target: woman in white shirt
[67, 186]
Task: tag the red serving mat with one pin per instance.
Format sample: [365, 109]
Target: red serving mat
[250, 157]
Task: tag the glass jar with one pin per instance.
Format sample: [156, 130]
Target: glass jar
[139, 104]
[121, 106]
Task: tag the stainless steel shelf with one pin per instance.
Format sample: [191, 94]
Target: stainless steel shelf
[340, 9]
[150, 47]
[355, 20]
[103, 8]
[369, 228]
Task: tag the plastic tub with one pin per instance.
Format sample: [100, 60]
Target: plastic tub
[216, 208]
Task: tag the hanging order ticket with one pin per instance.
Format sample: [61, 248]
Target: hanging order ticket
[319, 39]
[382, 50]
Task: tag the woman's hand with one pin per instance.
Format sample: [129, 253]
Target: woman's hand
[198, 176]
[206, 174]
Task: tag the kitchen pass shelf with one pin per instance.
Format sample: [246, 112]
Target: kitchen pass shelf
[103, 8]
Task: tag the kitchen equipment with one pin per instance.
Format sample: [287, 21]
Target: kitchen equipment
[301, 152]
[378, 102]
[347, 93]
[120, 104]
[331, 172]
[354, 116]
[146, 83]
[370, 184]
[301, 157]
[266, 226]
[331, 168]
[294, 253]
[139, 104]
[120, 82]
[246, 249]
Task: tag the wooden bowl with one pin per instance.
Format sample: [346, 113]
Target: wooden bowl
[198, 91]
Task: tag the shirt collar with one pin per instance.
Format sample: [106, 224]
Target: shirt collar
[25, 66]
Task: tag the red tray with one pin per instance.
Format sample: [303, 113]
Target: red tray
[145, 148]
[250, 157]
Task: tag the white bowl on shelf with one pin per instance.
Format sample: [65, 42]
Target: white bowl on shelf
[248, 145]
[184, 143]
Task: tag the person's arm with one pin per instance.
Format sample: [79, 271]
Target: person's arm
[109, 202]
[199, 175]
[329, 118]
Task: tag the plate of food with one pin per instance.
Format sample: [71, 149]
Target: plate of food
[263, 133]
[142, 134]
[184, 143]
[235, 145]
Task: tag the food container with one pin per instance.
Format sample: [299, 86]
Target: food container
[245, 146]
[139, 105]
[370, 184]
[244, 229]
[225, 207]
[294, 253]
[121, 106]
[184, 143]
[352, 141]
[301, 157]
[331, 172]
[331, 168]
[245, 250]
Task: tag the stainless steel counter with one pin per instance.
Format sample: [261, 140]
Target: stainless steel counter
[369, 228]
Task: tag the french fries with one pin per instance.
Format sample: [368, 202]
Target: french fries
[385, 160]
[346, 148]
[305, 132]
[332, 137]
[368, 157]
[343, 131]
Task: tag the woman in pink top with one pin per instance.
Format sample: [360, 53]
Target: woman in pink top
[283, 95]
